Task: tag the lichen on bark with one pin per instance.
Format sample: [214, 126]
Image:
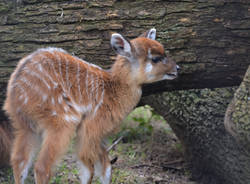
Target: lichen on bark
[237, 117]
[197, 118]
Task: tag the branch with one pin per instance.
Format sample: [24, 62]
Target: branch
[115, 143]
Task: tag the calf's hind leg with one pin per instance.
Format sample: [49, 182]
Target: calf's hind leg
[24, 147]
[55, 143]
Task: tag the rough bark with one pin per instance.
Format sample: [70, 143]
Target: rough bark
[197, 118]
[237, 118]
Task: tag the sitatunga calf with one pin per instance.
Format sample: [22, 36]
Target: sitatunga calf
[51, 95]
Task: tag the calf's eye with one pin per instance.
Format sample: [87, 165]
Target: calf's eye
[156, 59]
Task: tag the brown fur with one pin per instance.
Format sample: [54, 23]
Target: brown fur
[48, 100]
[5, 143]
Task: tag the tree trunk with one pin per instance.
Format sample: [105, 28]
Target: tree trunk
[197, 118]
[237, 118]
[208, 39]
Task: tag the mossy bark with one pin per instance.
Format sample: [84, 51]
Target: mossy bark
[197, 118]
[237, 118]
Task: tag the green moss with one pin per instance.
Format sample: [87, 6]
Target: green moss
[241, 112]
[4, 7]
